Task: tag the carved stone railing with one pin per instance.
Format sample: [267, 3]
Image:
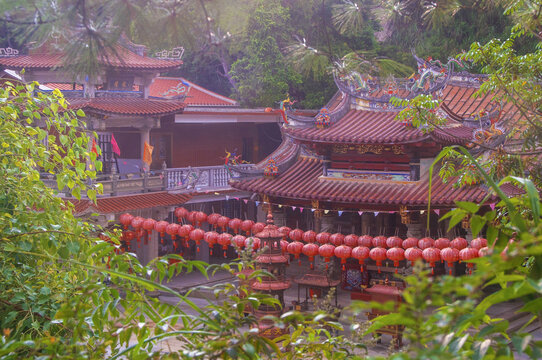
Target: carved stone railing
[203, 178]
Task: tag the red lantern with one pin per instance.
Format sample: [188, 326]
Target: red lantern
[128, 236]
[137, 222]
[148, 225]
[284, 246]
[160, 227]
[478, 243]
[431, 255]
[296, 235]
[394, 241]
[211, 237]
[484, 252]
[224, 239]
[396, 254]
[212, 219]
[366, 241]
[285, 231]
[450, 255]
[246, 226]
[380, 241]
[235, 224]
[192, 217]
[361, 253]
[326, 251]
[239, 241]
[459, 243]
[309, 236]
[343, 252]
[410, 243]
[467, 254]
[181, 213]
[197, 235]
[126, 220]
[254, 241]
[257, 227]
[223, 222]
[425, 243]
[310, 250]
[351, 240]
[200, 217]
[323, 238]
[378, 254]
[336, 239]
[442, 243]
[173, 230]
[140, 233]
[184, 231]
[413, 254]
[295, 248]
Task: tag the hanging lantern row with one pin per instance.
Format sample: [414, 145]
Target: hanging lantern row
[324, 244]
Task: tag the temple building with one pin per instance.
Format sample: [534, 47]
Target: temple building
[192, 131]
[354, 169]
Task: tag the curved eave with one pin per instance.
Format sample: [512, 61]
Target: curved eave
[303, 182]
[128, 107]
[361, 127]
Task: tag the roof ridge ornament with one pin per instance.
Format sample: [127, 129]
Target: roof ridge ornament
[8, 52]
[175, 53]
[322, 119]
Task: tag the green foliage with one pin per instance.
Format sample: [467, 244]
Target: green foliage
[64, 290]
[447, 318]
[263, 77]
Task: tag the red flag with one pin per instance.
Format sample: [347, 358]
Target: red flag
[94, 147]
[114, 145]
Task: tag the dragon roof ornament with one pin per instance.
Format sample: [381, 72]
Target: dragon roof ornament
[429, 79]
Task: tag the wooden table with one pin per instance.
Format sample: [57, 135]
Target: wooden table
[383, 292]
[315, 282]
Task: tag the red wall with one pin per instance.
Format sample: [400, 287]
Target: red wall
[205, 144]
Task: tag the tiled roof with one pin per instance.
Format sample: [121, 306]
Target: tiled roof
[46, 58]
[459, 102]
[378, 127]
[302, 181]
[128, 106]
[116, 204]
[195, 94]
[361, 127]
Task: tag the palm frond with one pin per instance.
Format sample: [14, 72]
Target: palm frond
[348, 17]
[307, 60]
[439, 13]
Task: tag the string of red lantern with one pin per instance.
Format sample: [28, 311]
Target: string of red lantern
[323, 244]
